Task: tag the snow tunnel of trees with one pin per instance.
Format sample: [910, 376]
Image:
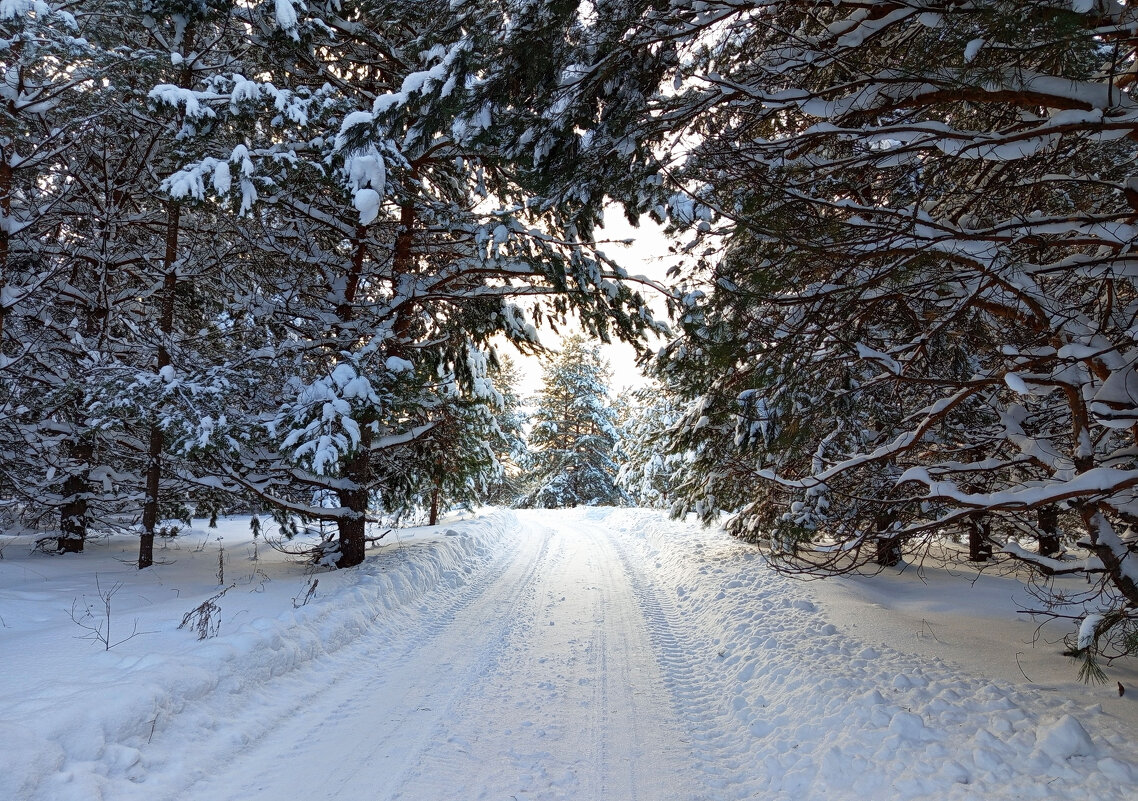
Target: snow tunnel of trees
[275, 253]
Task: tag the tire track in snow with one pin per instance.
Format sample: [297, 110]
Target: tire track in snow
[639, 740]
[486, 744]
[329, 716]
[717, 754]
[572, 708]
[633, 636]
[420, 691]
[509, 598]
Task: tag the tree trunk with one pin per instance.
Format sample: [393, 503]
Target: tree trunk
[1048, 531]
[157, 439]
[979, 539]
[353, 527]
[434, 505]
[150, 503]
[888, 547]
[76, 489]
[73, 512]
[166, 327]
[888, 551]
[5, 213]
[353, 534]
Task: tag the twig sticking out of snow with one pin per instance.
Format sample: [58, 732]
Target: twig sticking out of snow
[307, 596]
[205, 618]
[99, 630]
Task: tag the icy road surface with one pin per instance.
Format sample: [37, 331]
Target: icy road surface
[577, 655]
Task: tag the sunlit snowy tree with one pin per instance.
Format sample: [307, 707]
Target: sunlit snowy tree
[916, 300]
[509, 441]
[395, 230]
[649, 468]
[570, 460]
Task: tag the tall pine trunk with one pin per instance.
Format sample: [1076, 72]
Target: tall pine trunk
[73, 513]
[157, 438]
[352, 535]
[5, 239]
[167, 297]
[73, 510]
[352, 526]
[435, 490]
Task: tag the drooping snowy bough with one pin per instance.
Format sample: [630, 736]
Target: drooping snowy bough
[390, 235]
[261, 251]
[914, 315]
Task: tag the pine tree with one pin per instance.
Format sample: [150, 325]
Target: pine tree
[463, 460]
[509, 437]
[648, 470]
[393, 222]
[571, 444]
[84, 341]
[53, 60]
[906, 316]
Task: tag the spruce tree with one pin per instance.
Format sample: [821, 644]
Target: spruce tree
[92, 413]
[649, 470]
[571, 445]
[509, 435]
[906, 318]
[55, 60]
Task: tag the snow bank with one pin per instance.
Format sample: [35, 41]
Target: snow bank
[785, 705]
[78, 720]
[771, 694]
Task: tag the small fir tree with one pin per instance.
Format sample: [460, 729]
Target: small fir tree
[571, 444]
[648, 467]
[509, 435]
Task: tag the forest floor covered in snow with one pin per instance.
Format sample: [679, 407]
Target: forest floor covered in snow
[574, 654]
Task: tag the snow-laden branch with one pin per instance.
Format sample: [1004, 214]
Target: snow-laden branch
[1097, 483]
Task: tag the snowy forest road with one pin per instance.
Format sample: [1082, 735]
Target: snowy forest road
[582, 654]
[535, 682]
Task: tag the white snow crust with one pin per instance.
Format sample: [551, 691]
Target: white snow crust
[574, 654]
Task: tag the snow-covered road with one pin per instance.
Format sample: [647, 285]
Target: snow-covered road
[585, 655]
[537, 680]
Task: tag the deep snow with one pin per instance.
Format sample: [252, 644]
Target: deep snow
[578, 654]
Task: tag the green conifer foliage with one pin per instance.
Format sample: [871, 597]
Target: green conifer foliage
[570, 460]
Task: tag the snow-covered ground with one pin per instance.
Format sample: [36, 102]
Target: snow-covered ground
[578, 654]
